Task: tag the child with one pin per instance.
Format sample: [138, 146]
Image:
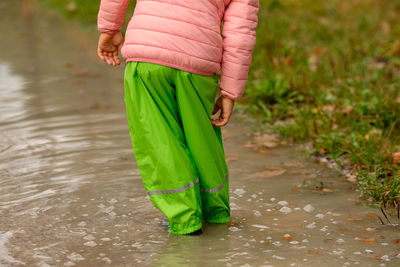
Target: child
[173, 50]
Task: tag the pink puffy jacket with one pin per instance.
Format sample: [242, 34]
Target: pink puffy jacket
[186, 34]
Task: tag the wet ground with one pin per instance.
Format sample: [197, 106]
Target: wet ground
[71, 194]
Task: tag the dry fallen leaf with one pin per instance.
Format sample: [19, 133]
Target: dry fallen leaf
[368, 239]
[370, 229]
[232, 224]
[396, 157]
[313, 252]
[71, 6]
[249, 145]
[287, 61]
[270, 172]
[295, 189]
[328, 108]
[346, 110]
[231, 158]
[371, 214]
[294, 164]
[327, 190]
[300, 173]
[396, 241]
[288, 238]
[352, 179]
[263, 151]
[226, 137]
[313, 60]
[328, 240]
[354, 217]
[267, 140]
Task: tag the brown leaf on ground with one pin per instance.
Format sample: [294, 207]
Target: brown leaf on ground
[354, 217]
[396, 158]
[71, 6]
[263, 151]
[396, 241]
[314, 60]
[368, 239]
[328, 108]
[352, 179]
[267, 140]
[371, 214]
[232, 224]
[313, 252]
[346, 110]
[300, 173]
[328, 240]
[327, 190]
[287, 61]
[295, 189]
[249, 145]
[373, 132]
[270, 172]
[288, 238]
[370, 229]
[294, 164]
[231, 158]
[226, 137]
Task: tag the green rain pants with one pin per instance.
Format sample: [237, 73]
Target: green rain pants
[178, 151]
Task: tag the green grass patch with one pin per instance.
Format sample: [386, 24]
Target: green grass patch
[328, 72]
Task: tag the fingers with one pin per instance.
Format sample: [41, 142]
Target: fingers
[110, 58]
[226, 106]
[100, 54]
[108, 47]
[222, 120]
[116, 58]
[217, 106]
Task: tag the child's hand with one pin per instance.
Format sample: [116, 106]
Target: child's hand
[108, 47]
[226, 106]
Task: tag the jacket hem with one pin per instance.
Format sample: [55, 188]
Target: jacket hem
[176, 66]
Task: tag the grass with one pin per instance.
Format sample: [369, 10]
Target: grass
[326, 73]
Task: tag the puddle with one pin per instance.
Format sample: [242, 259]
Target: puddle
[71, 194]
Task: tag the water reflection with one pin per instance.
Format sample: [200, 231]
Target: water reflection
[12, 97]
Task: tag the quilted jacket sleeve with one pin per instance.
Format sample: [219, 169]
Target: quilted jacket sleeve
[111, 15]
[239, 37]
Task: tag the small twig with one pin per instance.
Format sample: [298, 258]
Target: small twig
[379, 217]
[384, 214]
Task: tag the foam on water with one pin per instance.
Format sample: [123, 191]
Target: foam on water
[5, 256]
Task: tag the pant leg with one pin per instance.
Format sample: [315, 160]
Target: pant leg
[196, 98]
[164, 161]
